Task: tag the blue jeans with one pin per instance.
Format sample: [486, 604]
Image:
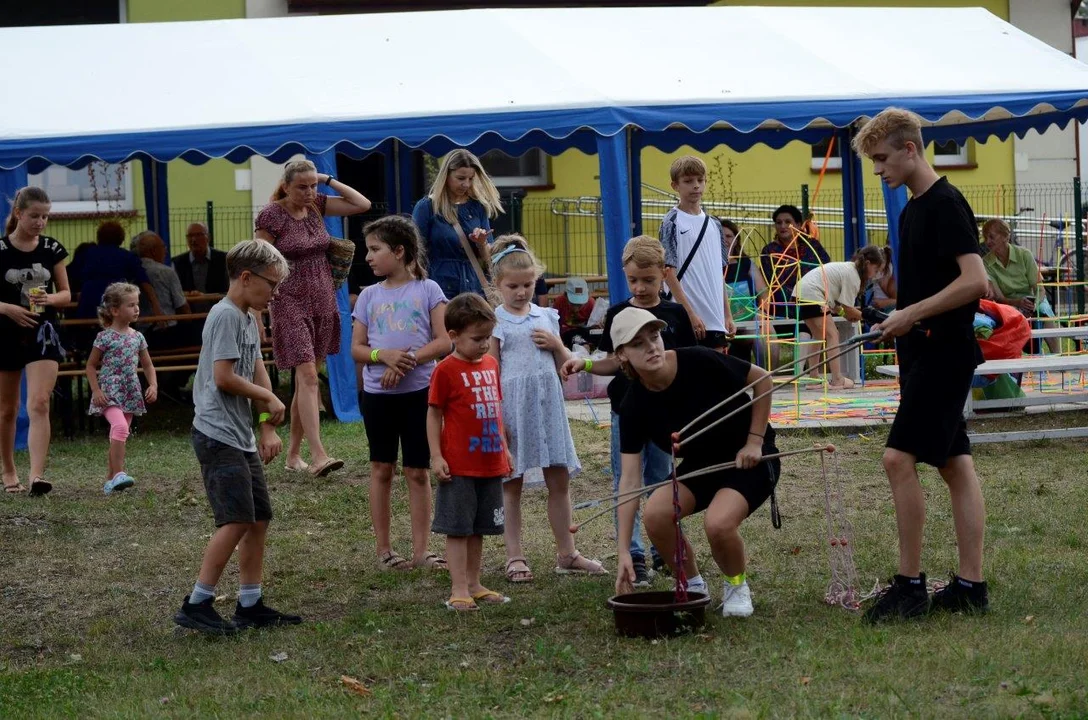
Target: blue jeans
[656, 467]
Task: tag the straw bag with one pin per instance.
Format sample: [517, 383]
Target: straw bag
[340, 255]
[489, 290]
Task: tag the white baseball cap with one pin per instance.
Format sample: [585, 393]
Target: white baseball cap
[577, 291]
[629, 321]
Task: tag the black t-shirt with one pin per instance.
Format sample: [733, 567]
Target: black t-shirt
[20, 271]
[739, 270]
[936, 228]
[677, 333]
[704, 378]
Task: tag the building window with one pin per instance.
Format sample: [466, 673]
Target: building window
[950, 153]
[528, 170]
[819, 152]
[98, 188]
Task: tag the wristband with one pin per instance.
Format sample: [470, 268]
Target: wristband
[328, 181]
[373, 356]
[756, 434]
[263, 418]
[589, 365]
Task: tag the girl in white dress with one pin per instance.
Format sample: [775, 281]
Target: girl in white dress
[530, 351]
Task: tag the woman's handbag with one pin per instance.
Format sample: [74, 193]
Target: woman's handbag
[340, 255]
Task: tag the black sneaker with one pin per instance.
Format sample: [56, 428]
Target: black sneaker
[202, 616]
[959, 595]
[260, 615]
[660, 566]
[642, 575]
[902, 600]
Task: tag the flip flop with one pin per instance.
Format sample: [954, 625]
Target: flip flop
[39, 487]
[303, 467]
[490, 597]
[466, 604]
[323, 469]
[15, 488]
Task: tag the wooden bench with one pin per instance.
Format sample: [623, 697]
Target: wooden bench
[1027, 364]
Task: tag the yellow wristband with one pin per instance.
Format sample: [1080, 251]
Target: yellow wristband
[589, 365]
[263, 418]
[373, 356]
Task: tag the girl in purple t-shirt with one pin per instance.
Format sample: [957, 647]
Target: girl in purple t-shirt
[399, 332]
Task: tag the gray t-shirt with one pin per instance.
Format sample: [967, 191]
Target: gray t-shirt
[229, 334]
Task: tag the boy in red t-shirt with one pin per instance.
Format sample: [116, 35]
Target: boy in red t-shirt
[468, 449]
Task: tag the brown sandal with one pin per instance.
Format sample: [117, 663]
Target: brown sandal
[15, 488]
[431, 561]
[577, 564]
[392, 561]
[323, 469]
[518, 576]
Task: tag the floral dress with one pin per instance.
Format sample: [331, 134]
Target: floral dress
[532, 396]
[117, 377]
[305, 319]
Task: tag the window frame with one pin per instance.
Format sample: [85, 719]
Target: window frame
[83, 207]
[960, 159]
[816, 162]
[542, 179]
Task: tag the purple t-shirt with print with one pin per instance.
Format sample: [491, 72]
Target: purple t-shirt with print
[398, 319]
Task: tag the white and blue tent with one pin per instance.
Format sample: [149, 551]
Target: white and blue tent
[608, 81]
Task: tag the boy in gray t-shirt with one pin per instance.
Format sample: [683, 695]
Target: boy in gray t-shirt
[229, 377]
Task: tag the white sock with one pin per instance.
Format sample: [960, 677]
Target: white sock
[696, 583]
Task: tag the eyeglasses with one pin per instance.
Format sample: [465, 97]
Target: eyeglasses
[272, 284]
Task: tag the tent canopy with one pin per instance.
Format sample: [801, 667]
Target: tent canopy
[515, 79]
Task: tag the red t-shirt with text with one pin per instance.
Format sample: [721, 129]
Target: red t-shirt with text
[470, 398]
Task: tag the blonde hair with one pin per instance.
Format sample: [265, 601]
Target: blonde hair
[398, 231]
[685, 166]
[483, 190]
[255, 256]
[644, 251]
[995, 224]
[111, 300]
[521, 258]
[290, 170]
[896, 125]
[23, 198]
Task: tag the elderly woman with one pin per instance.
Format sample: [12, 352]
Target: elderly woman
[305, 319]
[1014, 276]
[454, 220]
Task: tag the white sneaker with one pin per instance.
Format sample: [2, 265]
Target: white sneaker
[698, 586]
[736, 600]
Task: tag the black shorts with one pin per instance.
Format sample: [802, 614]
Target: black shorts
[397, 419]
[468, 506]
[24, 346]
[933, 390]
[754, 484]
[811, 311]
[715, 340]
[233, 481]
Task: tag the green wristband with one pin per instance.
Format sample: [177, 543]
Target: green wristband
[263, 418]
[374, 356]
[589, 365]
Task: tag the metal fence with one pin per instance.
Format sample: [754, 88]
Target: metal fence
[568, 233]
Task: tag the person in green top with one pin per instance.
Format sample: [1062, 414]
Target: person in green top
[1014, 276]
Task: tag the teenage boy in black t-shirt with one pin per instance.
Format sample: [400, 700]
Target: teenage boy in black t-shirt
[941, 277]
[644, 265]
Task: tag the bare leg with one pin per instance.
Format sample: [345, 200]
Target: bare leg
[457, 556]
[9, 410]
[116, 458]
[419, 506]
[511, 507]
[41, 376]
[968, 514]
[657, 517]
[381, 483]
[722, 523]
[251, 554]
[475, 560]
[812, 360]
[294, 448]
[306, 391]
[219, 550]
[910, 508]
[559, 510]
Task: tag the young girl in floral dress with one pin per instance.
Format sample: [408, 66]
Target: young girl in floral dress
[111, 372]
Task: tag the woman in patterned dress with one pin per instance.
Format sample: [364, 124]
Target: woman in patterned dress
[305, 318]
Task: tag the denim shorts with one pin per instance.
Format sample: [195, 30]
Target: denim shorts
[233, 481]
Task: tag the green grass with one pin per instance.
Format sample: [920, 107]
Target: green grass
[88, 586]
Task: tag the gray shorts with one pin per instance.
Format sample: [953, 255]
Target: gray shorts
[233, 481]
[468, 506]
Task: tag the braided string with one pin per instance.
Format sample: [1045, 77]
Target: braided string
[681, 594]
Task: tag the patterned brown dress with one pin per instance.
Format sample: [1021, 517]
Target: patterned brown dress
[305, 318]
